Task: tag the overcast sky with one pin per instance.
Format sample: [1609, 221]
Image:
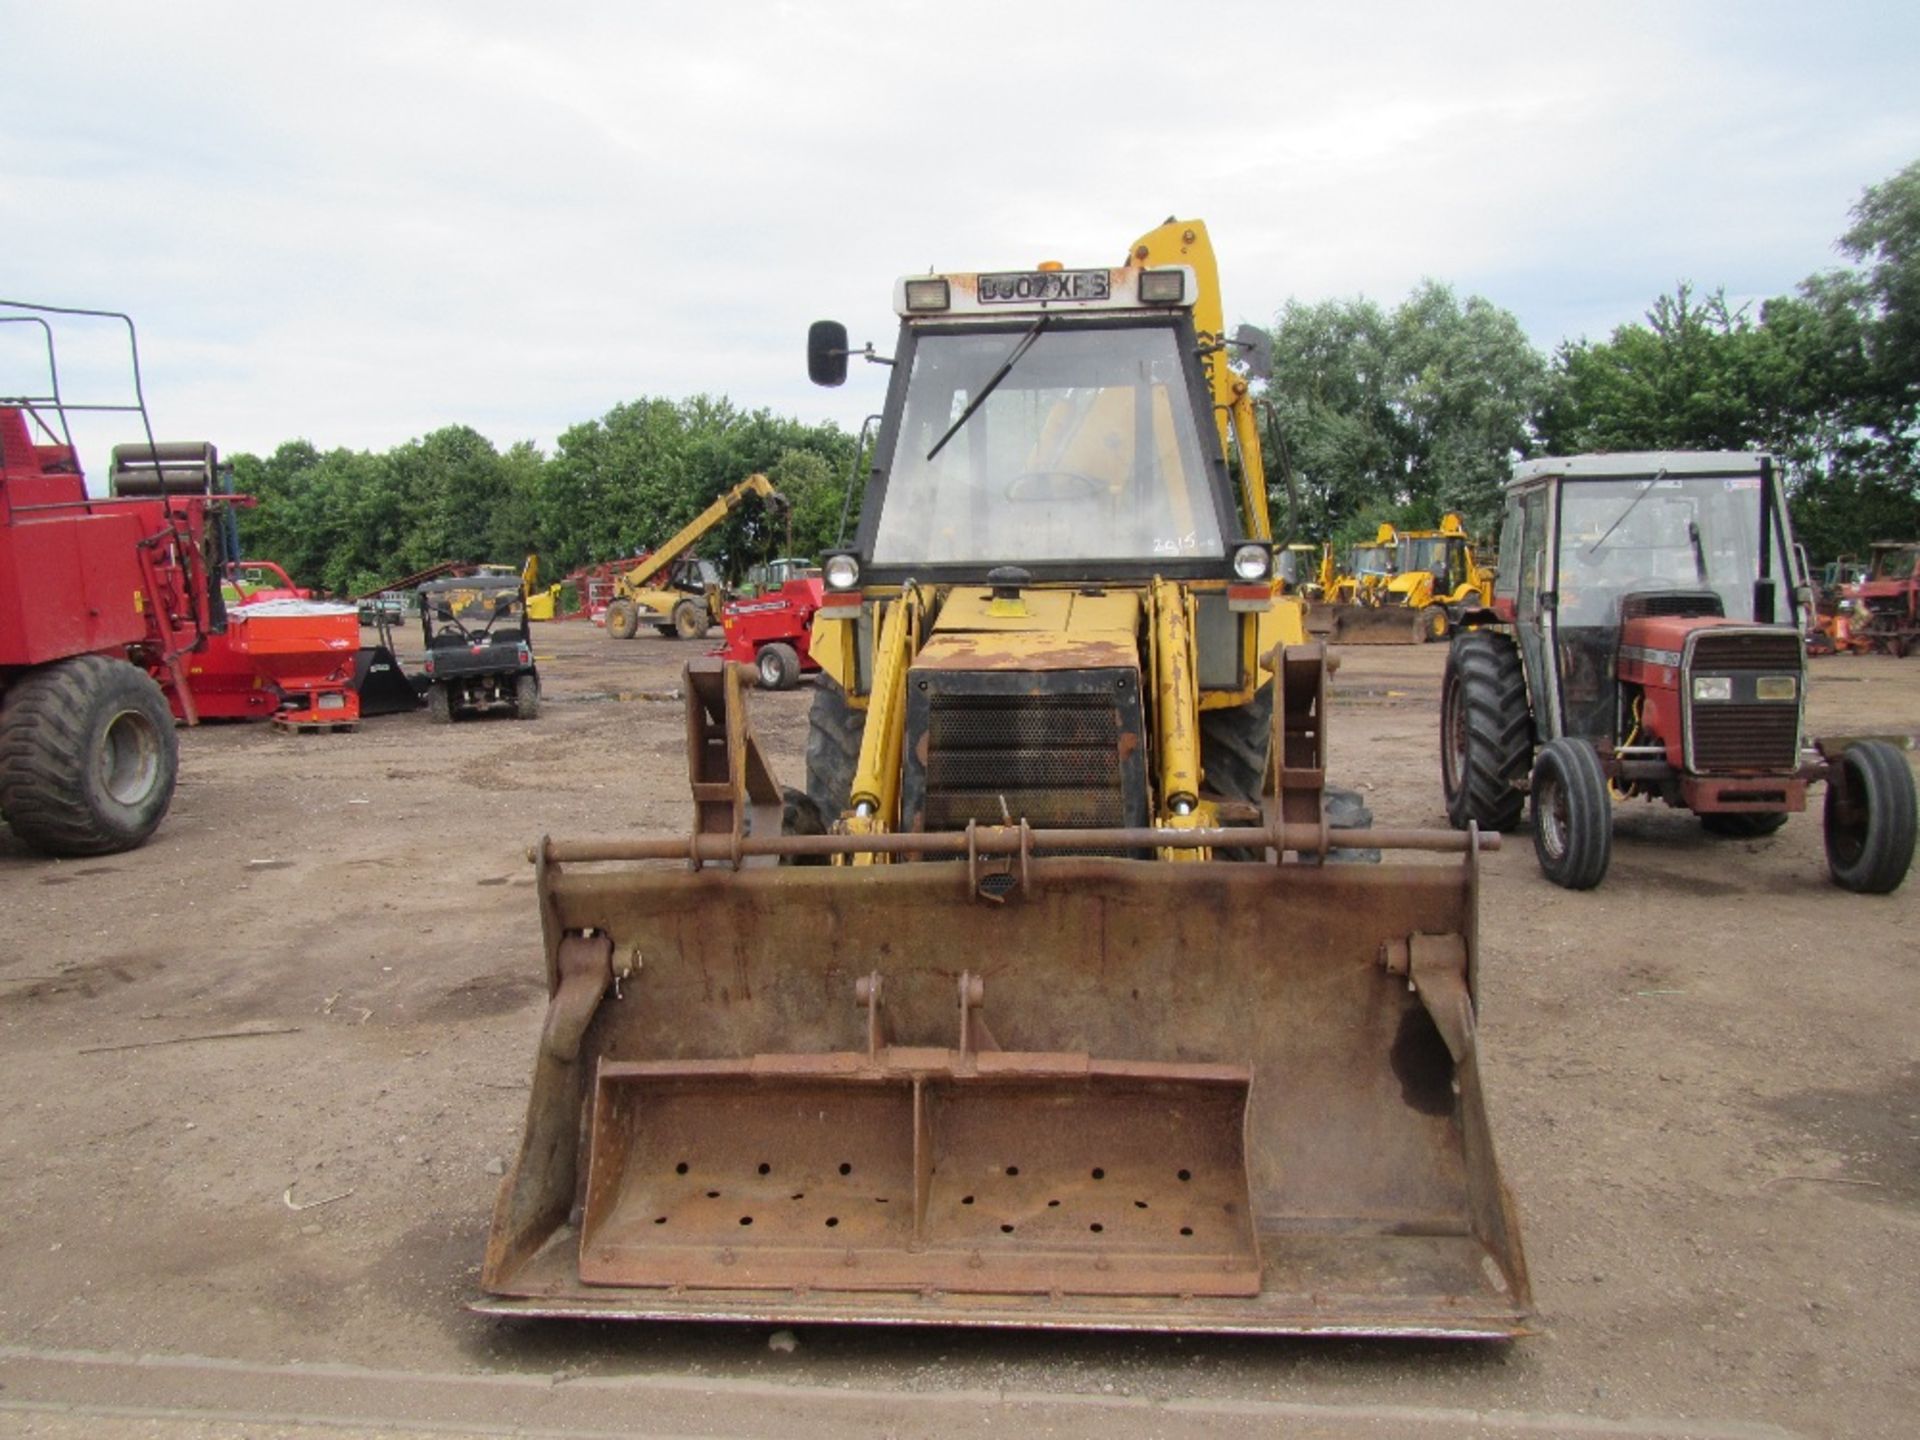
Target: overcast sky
[355, 224]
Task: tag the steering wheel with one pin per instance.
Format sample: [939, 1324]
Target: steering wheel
[1079, 485]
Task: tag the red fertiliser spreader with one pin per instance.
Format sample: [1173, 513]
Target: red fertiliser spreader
[770, 631]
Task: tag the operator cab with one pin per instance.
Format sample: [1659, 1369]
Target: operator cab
[1050, 420]
[1599, 540]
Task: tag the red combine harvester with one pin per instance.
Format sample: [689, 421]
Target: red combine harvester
[94, 592]
[769, 632]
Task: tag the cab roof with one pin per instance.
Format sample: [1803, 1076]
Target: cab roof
[1632, 464]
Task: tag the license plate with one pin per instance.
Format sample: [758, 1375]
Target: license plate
[1029, 287]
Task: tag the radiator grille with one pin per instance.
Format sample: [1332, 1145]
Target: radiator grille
[1731, 738]
[1777, 652]
[1054, 759]
[1670, 602]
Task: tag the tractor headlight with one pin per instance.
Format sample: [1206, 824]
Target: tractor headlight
[842, 572]
[1776, 687]
[1163, 287]
[1713, 687]
[1252, 562]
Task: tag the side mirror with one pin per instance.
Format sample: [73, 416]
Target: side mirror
[827, 352]
[1256, 351]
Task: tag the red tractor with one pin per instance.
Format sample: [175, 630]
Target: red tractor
[770, 631]
[1881, 609]
[1645, 641]
[93, 592]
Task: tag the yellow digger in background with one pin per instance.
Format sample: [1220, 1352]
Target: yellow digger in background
[673, 590]
[1407, 587]
[1046, 1000]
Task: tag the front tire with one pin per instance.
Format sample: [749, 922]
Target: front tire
[833, 751]
[88, 757]
[690, 620]
[1486, 732]
[1434, 624]
[622, 620]
[1869, 818]
[1572, 815]
[779, 666]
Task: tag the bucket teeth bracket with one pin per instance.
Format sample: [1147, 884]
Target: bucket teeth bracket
[1436, 967]
[585, 970]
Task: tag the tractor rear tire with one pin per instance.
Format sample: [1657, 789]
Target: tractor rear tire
[1486, 732]
[833, 752]
[622, 620]
[1742, 824]
[1572, 814]
[439, 705]
[779, 666]
[88, 757]
[526, 697]
[1869, 819]
[690, 620]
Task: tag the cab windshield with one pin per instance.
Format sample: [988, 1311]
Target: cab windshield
[1372, 560]
[1622, 536]
[1087, 450]
[1426, 554]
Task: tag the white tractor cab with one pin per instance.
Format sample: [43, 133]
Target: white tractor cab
[1645, 641]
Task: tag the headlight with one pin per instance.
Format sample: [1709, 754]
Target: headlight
[1776, 687]
[1713, 687]
[842, 572]
[1252, 562]
[1163, 287]
[930, 294]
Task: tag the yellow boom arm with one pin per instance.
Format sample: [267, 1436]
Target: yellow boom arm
[659, 560]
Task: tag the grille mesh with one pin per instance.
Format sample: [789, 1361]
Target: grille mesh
[1729, 738]
[1054, 759]
[1635, 607]
[1727, 654]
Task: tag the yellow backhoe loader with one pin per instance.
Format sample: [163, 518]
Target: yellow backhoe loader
[1047, 1000]
[1408, 587]
[672, 590]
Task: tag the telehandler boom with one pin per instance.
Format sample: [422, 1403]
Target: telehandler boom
[673, 591]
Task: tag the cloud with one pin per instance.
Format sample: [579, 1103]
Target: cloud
[356, 223]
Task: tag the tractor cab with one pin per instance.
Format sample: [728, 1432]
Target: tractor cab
[479, 656]
[1646, 643]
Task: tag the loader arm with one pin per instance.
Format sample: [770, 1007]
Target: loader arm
[656, 564]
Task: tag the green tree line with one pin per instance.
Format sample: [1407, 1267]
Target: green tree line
[1373, 414]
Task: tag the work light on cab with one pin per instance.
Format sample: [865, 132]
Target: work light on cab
[1163, 287]
[928, 294]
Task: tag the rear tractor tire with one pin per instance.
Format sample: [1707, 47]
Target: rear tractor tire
[833, 751]
[1572, 814]
[1486, 732]
[779, 666]
[690, 620]
[88, 757]
[526, 697]
[1869, 818]
[1742, 824]
[622, 620]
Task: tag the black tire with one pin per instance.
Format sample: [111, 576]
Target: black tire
[1742, 824]
[1233, 763]
[622, 620]
[439, 705]
[833, 752]
[526, 697]
[88, 756]
[1869, 818]
[779, 666]
[1486, 732]
[1572, 814]
[690, 620]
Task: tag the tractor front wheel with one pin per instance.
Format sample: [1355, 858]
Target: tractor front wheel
[690, 620]
[1869, 818]
[1572, 814]
[622, 620]
[88, 757]
[1486, 732]
[779, 666]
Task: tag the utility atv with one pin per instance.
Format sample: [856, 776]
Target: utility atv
[1644, 640]
[479, 656]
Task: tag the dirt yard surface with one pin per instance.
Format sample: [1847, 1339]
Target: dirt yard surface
[1704, 1082]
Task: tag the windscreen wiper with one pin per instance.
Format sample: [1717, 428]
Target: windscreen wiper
[1621, 518]
[1006, 366]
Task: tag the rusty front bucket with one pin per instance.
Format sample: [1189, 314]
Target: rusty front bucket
[1369, 624]
[1210, 1096]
